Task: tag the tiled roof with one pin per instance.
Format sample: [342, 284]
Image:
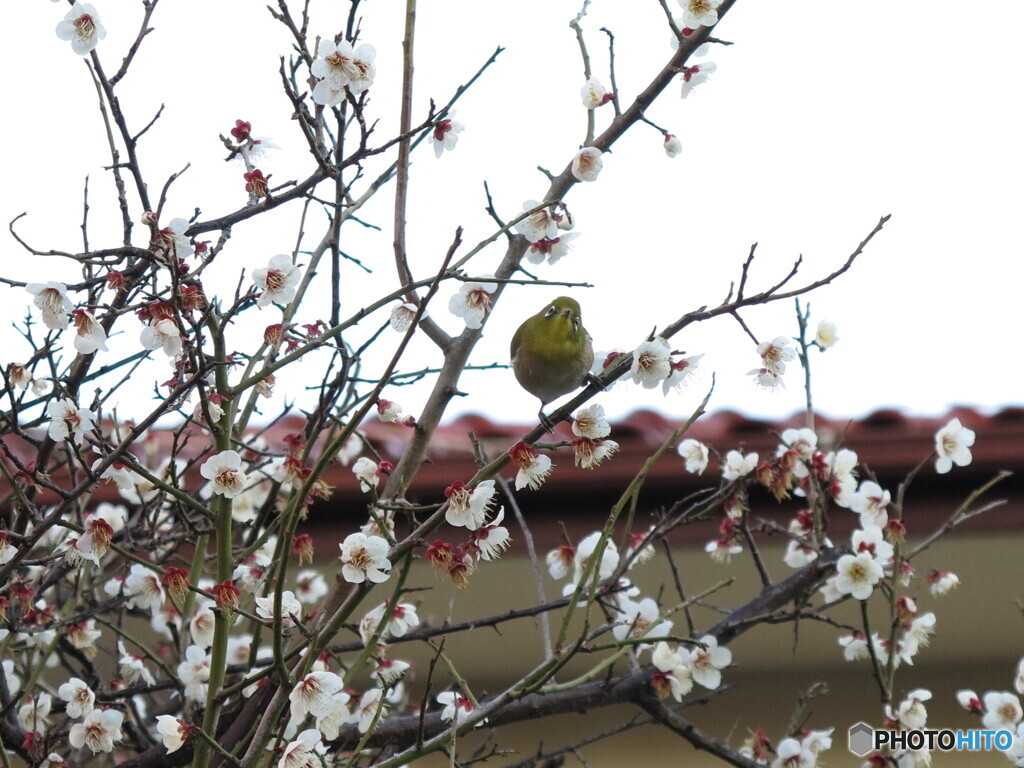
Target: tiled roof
[887, 441]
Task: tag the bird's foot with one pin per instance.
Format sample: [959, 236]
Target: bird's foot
[548, 424]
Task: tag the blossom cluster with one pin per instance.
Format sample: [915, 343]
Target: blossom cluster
[341, 70]
[469, 508]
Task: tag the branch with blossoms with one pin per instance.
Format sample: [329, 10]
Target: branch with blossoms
[193, 622]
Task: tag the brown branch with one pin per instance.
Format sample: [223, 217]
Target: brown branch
[145, 29]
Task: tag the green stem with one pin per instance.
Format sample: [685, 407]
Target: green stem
[220, 506]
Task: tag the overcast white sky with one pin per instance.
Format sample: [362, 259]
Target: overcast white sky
[821, 118]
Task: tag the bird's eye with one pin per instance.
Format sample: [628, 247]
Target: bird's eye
[575, 324]
[551, 311]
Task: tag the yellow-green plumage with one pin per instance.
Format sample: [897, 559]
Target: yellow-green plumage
[552, 351]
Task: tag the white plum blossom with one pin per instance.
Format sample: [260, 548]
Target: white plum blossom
[67, 420]
[539, 225]
[173, 732]
[445, 134]
[652, 363]
[587, 164]
[53, 302]
[314, 695]
[19, 375]
[917, 635]
[776, 353]
[695, 453]
[330, 724]
[911, 712]
[83, 636]
[388, 411]
[118, 474]
[680, 370]
[802, 441]
[401, 619]
[373, 623]
[304, 752]
[33, 714]
[870, 539]
[83, 28]
[858, 574]
[90, 336]
[370, 705]
[7, 550]
[594, 94]
[493, 538]
[551, 249]
[194, 673]
[79, 697]
[855, 647]
[402, 316]
[143, 589]
[708, 662]
[473, 301]
[676, 669]
[722, 549]
[98, 731]
[843, 485]
[290, 607]
[310, 586]
[239, 647]
[825, 336]
[173, 241]
[590, 422]
[673, 146]
[585, 552]
[278, 280]
[696, 75]
[640, 619]
[791, 753]
[224, 471]
[589, 453]
[969, 700]
[364, 558]
[534, 469]
[953, 445]
[366, 471]
[560, 560]
[817, 741]
[14, 682]
[774, 356]
[338, 67]
[162, 333]
[201, 627]
[943, 582]
[1002, 710]
[798, 554]
[700, 13]
[467, 508]
[870, 502]
[914, 758]
[737, 465]
[456, 706]
[132, 667]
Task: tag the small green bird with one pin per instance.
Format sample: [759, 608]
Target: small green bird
[552, 352]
